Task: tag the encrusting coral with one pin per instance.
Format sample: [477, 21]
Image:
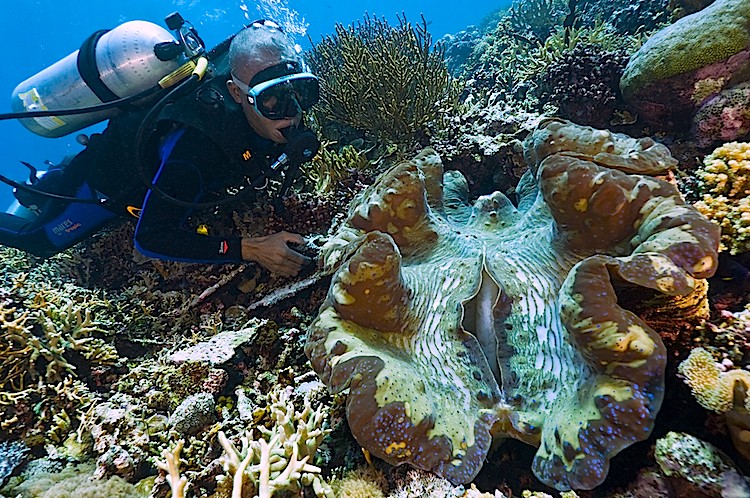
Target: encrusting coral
[724, 183]
[452, 324]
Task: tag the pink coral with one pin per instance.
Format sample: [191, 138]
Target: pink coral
[724, 117]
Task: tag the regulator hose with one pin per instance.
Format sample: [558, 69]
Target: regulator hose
[83, 110]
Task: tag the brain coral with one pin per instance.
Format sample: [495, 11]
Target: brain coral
[689, 62]
[451, 324]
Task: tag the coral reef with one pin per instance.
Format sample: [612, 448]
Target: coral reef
[724, 187]
[368, 71]
[713, 388]
[701, 467]
[75, 481]
[724, 117]
[329, 167]
[689, 72]
[426, 283]
[171, 464]
[583, 85]
[537, 18]
[362, 482]
[278, 460]
[12, 455]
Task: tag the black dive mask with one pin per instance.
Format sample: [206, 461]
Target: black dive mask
[281, 91]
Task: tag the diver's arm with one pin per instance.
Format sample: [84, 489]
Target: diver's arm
[161, 234]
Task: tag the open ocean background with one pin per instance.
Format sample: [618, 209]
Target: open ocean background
[38, 33]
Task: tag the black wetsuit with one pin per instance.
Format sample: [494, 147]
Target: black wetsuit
[194, 170]
[196, 151]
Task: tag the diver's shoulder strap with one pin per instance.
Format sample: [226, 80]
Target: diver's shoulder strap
[211, 110]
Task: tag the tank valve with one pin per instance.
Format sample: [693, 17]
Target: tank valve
[192, 44]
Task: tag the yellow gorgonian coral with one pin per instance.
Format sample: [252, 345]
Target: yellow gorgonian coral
[724, 182]
[712, 388]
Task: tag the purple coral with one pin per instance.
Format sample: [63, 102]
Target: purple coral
[724, 117]
[583, 84]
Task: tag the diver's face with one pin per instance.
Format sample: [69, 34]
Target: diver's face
[266, 128]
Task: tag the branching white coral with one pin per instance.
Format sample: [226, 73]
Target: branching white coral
[279, 460]
[171, 465]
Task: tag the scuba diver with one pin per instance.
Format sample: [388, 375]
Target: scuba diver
[200, 146]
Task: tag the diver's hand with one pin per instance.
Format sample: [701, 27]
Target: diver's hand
[272, 253]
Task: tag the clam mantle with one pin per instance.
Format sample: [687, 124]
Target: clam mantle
[452, 324]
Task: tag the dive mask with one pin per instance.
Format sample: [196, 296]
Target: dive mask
[281, 91]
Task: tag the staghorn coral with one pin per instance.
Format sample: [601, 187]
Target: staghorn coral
[49, 343]
[280, 459]
[46, 413]
[42, 327]
[452, 324]
[724, 183]
[171, 464]
[353, 63]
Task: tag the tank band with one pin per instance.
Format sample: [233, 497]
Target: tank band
[88, 70]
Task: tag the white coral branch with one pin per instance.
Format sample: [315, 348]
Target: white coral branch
[171, 465]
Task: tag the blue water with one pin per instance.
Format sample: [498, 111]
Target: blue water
[39, 33]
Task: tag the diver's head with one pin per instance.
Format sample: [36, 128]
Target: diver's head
[268, 79]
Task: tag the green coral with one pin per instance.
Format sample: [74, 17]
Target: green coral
[711, 35]
[724, 184]
[330, 166]
[383, 79]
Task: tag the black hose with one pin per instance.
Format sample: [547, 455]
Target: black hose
[82, 110]
[59, 197]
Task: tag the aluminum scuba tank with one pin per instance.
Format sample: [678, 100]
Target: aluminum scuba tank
[110, 65]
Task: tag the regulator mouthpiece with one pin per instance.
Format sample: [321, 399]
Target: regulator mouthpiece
[302, 144]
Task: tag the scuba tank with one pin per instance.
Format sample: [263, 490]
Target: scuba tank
[110, 65]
